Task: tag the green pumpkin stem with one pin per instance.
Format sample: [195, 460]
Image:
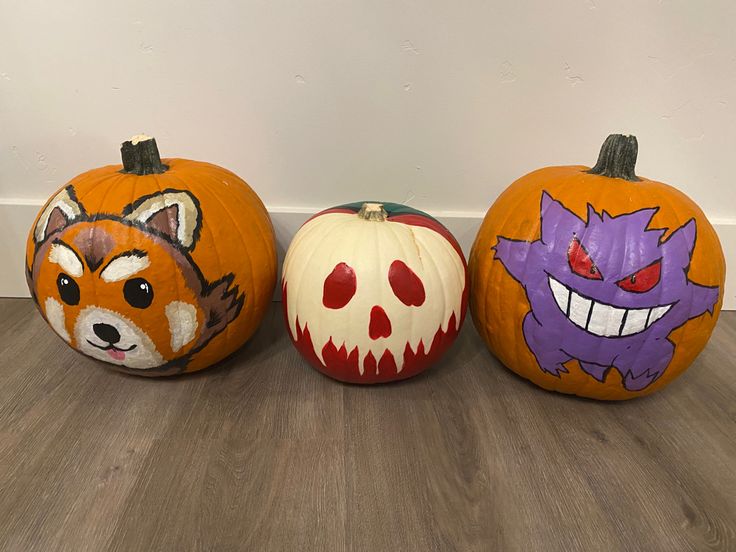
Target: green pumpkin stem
[140, 156]
[373, 211]
[617, 158]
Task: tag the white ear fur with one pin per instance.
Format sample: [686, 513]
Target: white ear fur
[188, 216]
[68, 207]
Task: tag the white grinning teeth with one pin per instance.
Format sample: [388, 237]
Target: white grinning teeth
[601, 319]
[657, 313]
[561, 294]
[636, 321]
[579, 309]
[605, 320]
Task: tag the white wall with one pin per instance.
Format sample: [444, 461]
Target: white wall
[436, 103]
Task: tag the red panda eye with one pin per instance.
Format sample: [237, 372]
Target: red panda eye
[339, 286]
[580, 262]
[642, 280]
[405, 284]
[68, 289]
[138, 293]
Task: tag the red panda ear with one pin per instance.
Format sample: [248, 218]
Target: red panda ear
[59, 212]
[173, 213]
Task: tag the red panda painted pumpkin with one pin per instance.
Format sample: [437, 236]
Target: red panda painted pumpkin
[156, 268]
[373, 292]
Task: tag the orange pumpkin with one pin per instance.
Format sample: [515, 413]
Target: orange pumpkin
[154, 267]
[596, 282]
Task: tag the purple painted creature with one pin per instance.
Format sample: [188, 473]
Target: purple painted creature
[606, 292]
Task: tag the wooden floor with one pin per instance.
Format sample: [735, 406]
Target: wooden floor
[265, 453]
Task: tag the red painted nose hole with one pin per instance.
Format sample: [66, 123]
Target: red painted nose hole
[380, 325]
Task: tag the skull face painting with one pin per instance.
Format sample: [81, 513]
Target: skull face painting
[373, 292]
[606, 292]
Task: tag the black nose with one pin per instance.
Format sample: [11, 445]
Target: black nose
[106, 332]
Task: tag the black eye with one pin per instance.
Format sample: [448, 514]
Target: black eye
[138, 293]
[68, 289]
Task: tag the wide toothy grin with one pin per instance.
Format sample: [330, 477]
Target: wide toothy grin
[602, 319]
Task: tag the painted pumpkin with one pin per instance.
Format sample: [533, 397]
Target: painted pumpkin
[596, 282]
[373, 292]
[154, 267]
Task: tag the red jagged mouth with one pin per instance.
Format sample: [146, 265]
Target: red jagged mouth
[342, 364]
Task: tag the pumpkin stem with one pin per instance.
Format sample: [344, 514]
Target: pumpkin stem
[140, 156]
[373, 211]
[617, 158]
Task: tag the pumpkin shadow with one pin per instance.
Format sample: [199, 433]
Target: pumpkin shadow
[268, 334]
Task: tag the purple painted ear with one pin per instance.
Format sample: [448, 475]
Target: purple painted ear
[682, 240]
[688, 231]
[592, 215]
[556, 217]
[547, 200]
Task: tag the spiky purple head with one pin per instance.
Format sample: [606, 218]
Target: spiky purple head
[614, 260]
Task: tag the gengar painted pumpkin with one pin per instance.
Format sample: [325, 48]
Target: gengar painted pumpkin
[156, 267]
[373, 292]
[596, 282]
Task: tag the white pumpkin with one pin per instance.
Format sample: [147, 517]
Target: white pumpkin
[374, 294]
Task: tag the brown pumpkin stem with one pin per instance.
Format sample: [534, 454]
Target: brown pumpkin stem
[617, 158]
[373, 211]
[140, 156]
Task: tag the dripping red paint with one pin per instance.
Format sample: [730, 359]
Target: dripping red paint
[341, 364]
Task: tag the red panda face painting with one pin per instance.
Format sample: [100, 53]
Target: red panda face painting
[155, 267]
[373, 292]
[108, 298]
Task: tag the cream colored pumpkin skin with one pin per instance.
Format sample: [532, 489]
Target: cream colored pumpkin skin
[369, 247]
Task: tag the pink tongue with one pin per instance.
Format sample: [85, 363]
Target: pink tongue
[117, 355]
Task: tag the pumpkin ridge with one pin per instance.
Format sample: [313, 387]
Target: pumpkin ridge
[227, 330]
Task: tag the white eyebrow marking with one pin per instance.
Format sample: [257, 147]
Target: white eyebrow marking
[67, 259]
[124, 266]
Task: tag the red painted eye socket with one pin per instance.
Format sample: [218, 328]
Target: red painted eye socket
[642, 280]
[339, 287]
[581, 263]
[405, 284]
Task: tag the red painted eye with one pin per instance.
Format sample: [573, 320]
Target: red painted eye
[339, 287]
[580, 262]
[406, 284]
[643, 280]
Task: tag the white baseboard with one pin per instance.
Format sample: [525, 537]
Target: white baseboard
[16, 218]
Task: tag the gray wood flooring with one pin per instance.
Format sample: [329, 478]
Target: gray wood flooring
[264, 453]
